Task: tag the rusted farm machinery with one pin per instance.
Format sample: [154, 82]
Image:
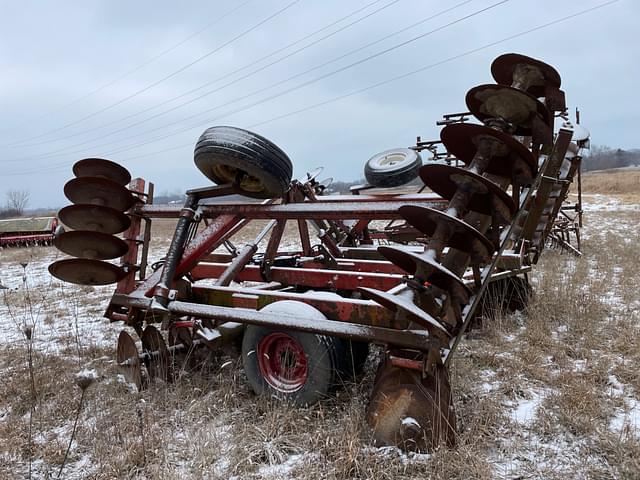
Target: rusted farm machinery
[25, 231]
[307, 315]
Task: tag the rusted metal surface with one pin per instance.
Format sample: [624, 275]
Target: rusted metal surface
[157, 359]
[525, 73]
[413, 339]
[94, 218]
[99, 191]
[510, 161]
[335, 211]
[96, 245]
[128, 359]
[463, 236]
[352, 310]
[495, 200]
[410, 410]
[547, 181]
[309, 277]
[84, 271]
[99, 167]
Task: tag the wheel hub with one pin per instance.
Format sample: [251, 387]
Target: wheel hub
[282, 362]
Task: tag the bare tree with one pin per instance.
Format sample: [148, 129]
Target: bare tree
[17, 201]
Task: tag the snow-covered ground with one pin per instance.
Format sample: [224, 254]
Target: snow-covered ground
[500, 381]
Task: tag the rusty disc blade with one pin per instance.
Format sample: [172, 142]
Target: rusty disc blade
[99, 167]
[510, 104]
[183, 358]
[414, 313]
[426, 269]
[445, 180]
[180, 336]
[461, 140]
[94, 218]
[93, 245]
[128, 359]
[86, 272]
[410, 410]
[158, 361]
[99, 191]
[504, 66]
[463, 236]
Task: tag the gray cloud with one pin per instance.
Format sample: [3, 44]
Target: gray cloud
[55, 52]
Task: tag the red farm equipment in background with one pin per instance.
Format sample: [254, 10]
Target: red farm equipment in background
[27, 231]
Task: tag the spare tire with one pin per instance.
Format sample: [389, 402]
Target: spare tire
[392, 168]
[233, 155]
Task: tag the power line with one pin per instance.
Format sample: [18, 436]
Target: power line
[292, 89]
[404, 75]
[167, 77]
[221, 78]
[427, 67]
[137, 68]
[383, 82]
[297, 87]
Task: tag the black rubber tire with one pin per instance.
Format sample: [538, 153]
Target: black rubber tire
[392, 168]
[222, 152]
[320, 352]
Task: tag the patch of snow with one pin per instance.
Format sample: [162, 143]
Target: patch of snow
[605, 203]
[627, 421]
[60, 315]
[405, 457]
[524, 411]
[580, 366]
[410, 421]
[280, 470]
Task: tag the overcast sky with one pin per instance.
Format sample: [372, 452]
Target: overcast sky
[86, 79]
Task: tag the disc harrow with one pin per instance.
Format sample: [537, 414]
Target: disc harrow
[307, 310]
[494, 161]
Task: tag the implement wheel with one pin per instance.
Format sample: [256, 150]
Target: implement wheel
[297, 367]
[232, 155]
[392, 168]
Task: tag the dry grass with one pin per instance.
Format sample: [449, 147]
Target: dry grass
[622, 183]
[535, 394]
[22, 254]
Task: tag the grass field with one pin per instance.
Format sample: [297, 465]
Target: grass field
[549, 393]
[623, 183]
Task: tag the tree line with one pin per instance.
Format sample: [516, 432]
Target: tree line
[601, 157]
[16, 202]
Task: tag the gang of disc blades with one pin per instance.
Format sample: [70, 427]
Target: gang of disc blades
[463, 236]
[439, 276]
[504, 66]
[128, 359]
[94, 218]
[154, 345]
[461, 140]
[92, 245]
[99, 167]
[445, 180]
[83, 271]
[415, 313]
[99, 191]
[509, 104]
